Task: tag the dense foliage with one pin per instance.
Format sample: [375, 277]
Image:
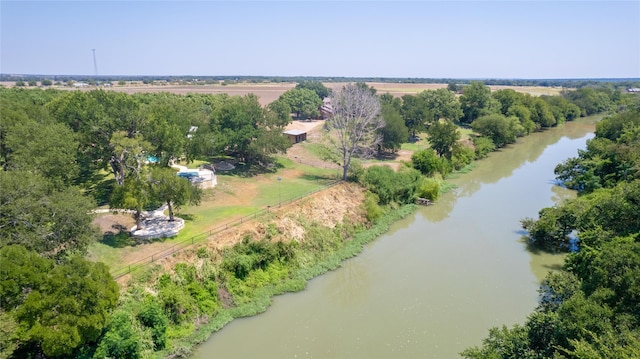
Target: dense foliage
[61, 151]
[57, 308]
[590, 309]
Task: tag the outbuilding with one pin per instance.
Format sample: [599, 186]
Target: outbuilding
[296, 135]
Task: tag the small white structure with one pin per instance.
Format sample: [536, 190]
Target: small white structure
[203, 177]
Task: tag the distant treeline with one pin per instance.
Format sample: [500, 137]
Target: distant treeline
[571, 83]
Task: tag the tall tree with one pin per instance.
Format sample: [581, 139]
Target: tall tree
[394, 133]
[316, 86]
[304, 102]
[128, 154]
[55, 223]
[442, 104]
[175, 191]
[134, 194]
[415, 113]
[443, 137]
[474, 101]
[355, 123]
[47, 148]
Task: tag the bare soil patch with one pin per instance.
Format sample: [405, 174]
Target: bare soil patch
[114, 223]
[329, 207]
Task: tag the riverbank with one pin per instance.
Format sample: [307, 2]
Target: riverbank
[206, 288]
[296, 282]
[434, 283]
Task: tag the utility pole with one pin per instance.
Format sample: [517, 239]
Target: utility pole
[95, 64]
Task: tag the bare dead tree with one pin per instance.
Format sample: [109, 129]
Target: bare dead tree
[355, 122]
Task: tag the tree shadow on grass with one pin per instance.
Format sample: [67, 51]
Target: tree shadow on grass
[118, 240]
[186, 217]
[320, 179]
[386, 156]
[101, 191]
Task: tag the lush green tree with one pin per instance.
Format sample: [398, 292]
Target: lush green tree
[316, 86]
[55, 223]
[394, 133]
[57, 308]
[173, 190]
[523, 114]
[541, 113]
[474, 101]
[281, 110]
[612, 156]
[442, 104]
[364, 87]
[590, 100]
[305, 103]
[453, 87]
[387, 99]
[167, 123]
[443, 137]
[46, 82]
[45, 148]
[415, 113]
[134, 194]
[129, 155]
[498, 128]
[355, 123]
[507, 98]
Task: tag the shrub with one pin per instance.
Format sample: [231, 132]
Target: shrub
[121, 340]
[462, 156]
[355, 171]
[430, 189]
[154, 318]
[426, 161]
[371, 207]
[483, 145]
[399, 187]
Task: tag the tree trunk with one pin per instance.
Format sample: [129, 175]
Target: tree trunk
[171, 219]
[138, 216]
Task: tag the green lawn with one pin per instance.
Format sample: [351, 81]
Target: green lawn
[211, 214]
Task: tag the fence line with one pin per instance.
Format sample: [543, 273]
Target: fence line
[205, 235]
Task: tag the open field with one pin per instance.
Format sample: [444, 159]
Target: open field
[269, 92]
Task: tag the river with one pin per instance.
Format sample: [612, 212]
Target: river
[436, 282]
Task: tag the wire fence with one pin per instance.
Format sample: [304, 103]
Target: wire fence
[120, 272]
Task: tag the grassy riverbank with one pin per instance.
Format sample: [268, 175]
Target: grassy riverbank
[195, 293]
[322, 262]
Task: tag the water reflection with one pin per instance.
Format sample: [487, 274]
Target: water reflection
[351, 284]
[503, 163]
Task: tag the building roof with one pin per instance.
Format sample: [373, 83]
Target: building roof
[295, 132]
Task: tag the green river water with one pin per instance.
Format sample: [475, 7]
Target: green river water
[436, 282]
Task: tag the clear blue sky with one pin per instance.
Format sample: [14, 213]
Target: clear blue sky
[427, 39]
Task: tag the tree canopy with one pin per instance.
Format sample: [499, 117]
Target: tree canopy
[58, 308]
